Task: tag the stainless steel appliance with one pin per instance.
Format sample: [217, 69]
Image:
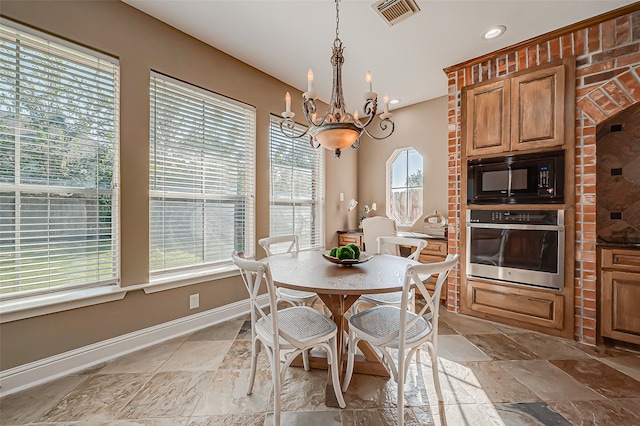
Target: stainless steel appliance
[517, 179]
[523, 247]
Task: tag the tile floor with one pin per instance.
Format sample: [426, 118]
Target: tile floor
[490, 375]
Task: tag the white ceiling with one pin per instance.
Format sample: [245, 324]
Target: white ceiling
[285, 38]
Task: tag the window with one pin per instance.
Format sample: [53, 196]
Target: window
[297, 187]
[58, 165]
[404, 186]
[202, 168]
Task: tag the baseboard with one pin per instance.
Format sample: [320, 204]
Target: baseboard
[48, 369]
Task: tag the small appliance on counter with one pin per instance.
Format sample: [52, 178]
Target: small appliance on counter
[435, 225]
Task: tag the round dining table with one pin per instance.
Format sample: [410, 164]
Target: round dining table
[339, 286]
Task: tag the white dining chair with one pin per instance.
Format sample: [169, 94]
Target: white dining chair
[378, 226]
[294, 330]
[293, 297]
[391, 327]
[392, 244]
[289, 244]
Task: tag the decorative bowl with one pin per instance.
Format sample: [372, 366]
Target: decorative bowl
[364, 257]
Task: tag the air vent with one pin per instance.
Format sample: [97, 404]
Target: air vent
[394, 11]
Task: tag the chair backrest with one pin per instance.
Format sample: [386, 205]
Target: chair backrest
[378, 226]
[418, 274]
[416, 243]
[255, 274]
[274, 245]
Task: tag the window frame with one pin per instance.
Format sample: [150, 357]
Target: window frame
[78, 59]
[187, 273]
[395, 155]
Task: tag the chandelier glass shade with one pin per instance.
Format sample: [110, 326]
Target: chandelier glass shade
[337, 129]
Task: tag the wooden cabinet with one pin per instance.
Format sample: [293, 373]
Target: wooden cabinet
[620, 294]
[435, 251]
[487, 118]
[541, 310]
[345, 238]
[522, 112]
[537, 109]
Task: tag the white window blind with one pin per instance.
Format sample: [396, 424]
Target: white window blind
[58, 165]
[202, 177]
[297, 187]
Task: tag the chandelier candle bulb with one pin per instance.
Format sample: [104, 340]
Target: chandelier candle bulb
[310, 94]
[369, 80]
[386, 114]
[287, 101]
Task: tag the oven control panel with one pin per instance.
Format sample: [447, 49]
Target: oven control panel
[531, 217]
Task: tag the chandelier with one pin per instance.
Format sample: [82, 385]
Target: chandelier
[337, 129]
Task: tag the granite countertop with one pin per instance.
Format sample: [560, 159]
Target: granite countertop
[628, 245]
[400, 234]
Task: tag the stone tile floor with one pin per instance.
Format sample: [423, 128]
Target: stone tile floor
[490, 375]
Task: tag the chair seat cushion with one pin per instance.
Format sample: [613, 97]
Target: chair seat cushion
[300, 322]
[380, 321]
[287, 293]
[384, 298]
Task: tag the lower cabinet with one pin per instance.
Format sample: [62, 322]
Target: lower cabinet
[535, 307]
[350, 238]
[435, 251]
[620, 294]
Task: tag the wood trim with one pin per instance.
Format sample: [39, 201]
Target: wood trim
[547, 36]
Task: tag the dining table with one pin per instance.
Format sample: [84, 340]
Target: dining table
[339, 286]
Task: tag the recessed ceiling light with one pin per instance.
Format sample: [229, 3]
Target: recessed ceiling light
[494, 32]
[395, 101]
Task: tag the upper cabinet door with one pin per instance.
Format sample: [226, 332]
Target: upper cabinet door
[487, 118]
[537, 109]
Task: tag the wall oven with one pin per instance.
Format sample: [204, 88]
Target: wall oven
[517, 179]
[524, 247]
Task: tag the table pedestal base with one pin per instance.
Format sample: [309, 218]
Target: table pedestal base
[367, 363]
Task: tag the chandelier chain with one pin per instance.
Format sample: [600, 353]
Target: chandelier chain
[337, 19]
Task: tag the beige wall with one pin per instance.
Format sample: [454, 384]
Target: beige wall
[142, 44]
[424, 127]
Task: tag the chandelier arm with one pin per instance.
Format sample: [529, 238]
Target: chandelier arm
[311, 139]
[356, 144]
[370, 109]
[384, 125]
[309, 109]
[287, 127]
[317, 123]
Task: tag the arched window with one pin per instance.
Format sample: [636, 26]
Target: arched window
[404, 186]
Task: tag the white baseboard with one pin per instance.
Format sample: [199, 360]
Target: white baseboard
[54, 367]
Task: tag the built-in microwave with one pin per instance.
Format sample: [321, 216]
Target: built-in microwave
[517, 179]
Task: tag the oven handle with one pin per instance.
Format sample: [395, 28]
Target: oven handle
[516, 226]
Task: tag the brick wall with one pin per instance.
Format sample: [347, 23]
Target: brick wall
[607, 81]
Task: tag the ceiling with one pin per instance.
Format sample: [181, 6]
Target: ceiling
[285, 38]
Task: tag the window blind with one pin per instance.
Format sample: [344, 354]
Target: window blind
[58, 165]
[202, 177]
[297, 187]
